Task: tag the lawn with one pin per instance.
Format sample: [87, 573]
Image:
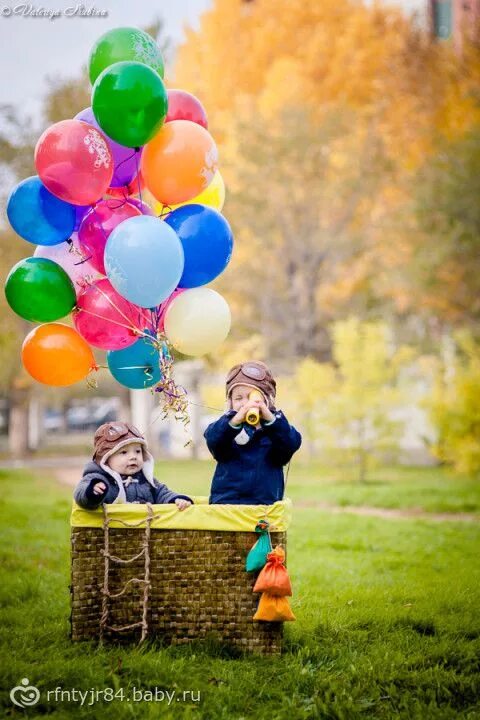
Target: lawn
[388, 621]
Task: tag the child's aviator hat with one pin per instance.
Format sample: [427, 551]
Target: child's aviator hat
[254, 374]
[112, 436]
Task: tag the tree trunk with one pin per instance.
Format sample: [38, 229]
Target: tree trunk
[18, 421]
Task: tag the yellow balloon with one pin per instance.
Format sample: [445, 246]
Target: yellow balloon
[213, 196]
[197, 321]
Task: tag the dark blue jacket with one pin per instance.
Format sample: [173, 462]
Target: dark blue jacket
[250, 474]
[145, 490]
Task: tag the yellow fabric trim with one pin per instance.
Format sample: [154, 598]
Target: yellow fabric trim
[200, 516]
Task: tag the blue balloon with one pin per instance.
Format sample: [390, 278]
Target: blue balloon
[37, 215]
[144, 260]
[137, 366]
[207, 243]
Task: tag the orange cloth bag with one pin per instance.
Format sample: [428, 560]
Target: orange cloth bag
[273, 609]
[274, 579]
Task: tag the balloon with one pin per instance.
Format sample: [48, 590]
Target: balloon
[55, 354]
[129, 101]
[144, 260]
[80, 212]
[37, 215]
[125, 43]
[69, 256]
[39, 290]
[97, 226]
[207, 242]
[105, 319]
[213, 196]
[125, 159]
[74, 162]
[142, 206]
[137, 366]
[197, 321]
[162, 309]
[183, 105]
[179, 162]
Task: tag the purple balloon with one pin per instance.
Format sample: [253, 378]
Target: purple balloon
[126, 159]
[80, 212]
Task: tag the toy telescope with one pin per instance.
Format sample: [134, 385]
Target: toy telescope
[253, 414]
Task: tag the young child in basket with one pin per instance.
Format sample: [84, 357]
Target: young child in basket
[250, 458]
[122, 471]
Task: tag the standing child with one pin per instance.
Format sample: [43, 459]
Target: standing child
[250, 459]
[122, 471]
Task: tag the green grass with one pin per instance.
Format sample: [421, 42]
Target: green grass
[431, 489]
[388, 621]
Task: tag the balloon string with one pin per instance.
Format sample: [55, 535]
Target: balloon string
[137, 150]
[75, 251]
[132, 329]
[109, 300]
[164, 210]
[127, 159]
[114, 204]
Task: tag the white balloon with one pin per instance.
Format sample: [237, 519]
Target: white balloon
[197, 321]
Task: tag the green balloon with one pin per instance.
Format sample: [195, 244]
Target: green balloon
[126, 43]
[130, 103]
[39, 290]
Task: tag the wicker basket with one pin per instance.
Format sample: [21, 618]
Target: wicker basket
[176, 584]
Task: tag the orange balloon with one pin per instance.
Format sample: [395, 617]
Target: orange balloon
[55, 354]
[179, 162]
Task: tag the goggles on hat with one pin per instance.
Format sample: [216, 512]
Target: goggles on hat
[119, 430]
[254, 372]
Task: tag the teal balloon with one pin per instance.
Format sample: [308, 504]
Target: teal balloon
[130, 103]
[137, 366]
[124, 43]
[39, 290]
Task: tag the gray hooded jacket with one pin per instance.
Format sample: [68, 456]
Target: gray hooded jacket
[143, 487]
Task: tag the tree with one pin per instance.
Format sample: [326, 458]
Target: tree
[444, 269]
[301, 200]
[455, 407]
[347, 405]
[254, 65]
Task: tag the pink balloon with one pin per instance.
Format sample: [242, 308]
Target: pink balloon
[182, 105]
[106, 320]
[97, 225]
[74, 162]
[70, 257]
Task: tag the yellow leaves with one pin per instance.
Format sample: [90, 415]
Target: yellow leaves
[455, 407]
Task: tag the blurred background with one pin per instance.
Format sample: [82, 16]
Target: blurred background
[349, 139]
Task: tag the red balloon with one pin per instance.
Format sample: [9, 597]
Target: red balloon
[182, 105]
[74, 162]
[97, 225]
[106, 320]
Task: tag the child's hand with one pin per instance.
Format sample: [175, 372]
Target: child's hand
[99, 488]
[182, 504]
[239, 418]
[265, 413]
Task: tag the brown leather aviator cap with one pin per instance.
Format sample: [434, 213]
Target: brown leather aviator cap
[253, 374]
[112, 435]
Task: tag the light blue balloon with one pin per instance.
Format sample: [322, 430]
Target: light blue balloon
[37, 215]
[144, 260]
[137, 366]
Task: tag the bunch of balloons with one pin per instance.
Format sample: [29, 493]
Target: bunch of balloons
[132, 273]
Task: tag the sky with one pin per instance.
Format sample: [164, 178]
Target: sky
[33, 48]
